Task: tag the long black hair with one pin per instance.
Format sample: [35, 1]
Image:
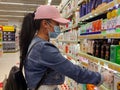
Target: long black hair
[28, 31]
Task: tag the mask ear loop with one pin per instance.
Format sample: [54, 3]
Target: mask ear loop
[48, 22]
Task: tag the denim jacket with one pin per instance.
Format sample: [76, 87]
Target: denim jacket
[45, 55]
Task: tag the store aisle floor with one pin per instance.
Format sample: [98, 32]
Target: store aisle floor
[6, 62]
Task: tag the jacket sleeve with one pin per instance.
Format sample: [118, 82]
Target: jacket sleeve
[53, 59]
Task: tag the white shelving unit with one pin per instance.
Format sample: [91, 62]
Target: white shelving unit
[1, 46]
[101, 62]
[8, 39]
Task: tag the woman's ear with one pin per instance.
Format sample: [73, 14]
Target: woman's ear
[44, 24]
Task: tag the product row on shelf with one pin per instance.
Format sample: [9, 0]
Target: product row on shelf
[102, 6]
[102, 26]
[92, 39]
[108, 27]
[90, 5]
[0, 41]
[70, 35]
[80, 55]
[107, 49]
[9, 39]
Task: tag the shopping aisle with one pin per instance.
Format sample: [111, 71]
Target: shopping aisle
[6, 62]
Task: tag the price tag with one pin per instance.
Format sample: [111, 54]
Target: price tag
[108, 35]
[90, 60]
[102, 63]
[100, 36]
[96, 61]
[111, 35]
[118, 1]
[117, 35]
[114, 35]
[84, 64]
[117, 68]
[105, 65]
[111, 66]
[111, 4]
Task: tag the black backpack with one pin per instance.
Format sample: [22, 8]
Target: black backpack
[16, 80]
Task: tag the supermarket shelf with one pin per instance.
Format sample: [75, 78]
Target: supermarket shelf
[117, 1]
[68, 41]
[69, 55]
[84, 64]
[67, 1]
[11, 51]
[73, 10]
[80, 1]
[103, 88]
[102, 62]
[100, 36]
[74, 26]
[8, 41]
[96, 36]
[98, 11]
[66, 29]
[53, 39]
[62, 51]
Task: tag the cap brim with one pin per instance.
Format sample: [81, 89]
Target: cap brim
[61, 21]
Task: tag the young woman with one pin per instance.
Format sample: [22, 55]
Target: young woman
[44, 56]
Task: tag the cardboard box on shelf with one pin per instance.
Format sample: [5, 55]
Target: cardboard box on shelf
[116, 82]
[109, 85]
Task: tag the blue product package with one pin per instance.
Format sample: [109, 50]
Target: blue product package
[84, 9]
[98, 2]
[92, 4]
[81, 11]
[90, 7]
[104, 1]
[87, 8]
[109, 1]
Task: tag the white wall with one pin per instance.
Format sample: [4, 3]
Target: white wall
[15, 22]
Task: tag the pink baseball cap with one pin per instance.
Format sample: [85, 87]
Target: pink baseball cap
[49, 12]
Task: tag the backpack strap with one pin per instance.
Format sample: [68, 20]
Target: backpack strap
[21, 61]
[45, 74]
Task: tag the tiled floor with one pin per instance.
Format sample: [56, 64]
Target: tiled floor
[6, 62]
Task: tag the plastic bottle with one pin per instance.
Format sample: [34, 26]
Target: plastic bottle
[107, 53]
[103, 49]
[114, 12]
[98, 49]
[118, 10]
[109, 16]
[94, 47]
